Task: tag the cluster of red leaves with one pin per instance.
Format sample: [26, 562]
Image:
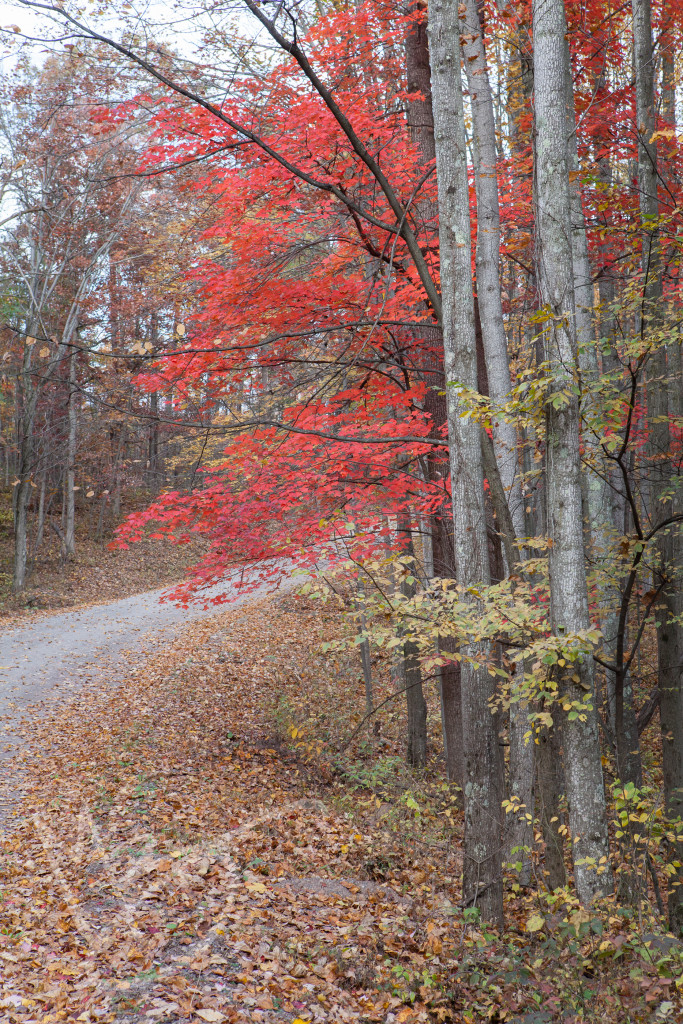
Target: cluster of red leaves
[303, 308]
[178, 861]
[292, 314]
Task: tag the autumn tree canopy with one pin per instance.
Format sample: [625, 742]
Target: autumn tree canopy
[403, 285]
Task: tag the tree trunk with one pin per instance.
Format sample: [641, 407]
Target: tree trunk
[488, 256]
[99, 532]
[482, 875]
[26, 408]
[549, 788]
[449, 674]
[669, 543]
[420, 120]
[600, 496]
[70, 518]
[416, 706]
[365, 658]
[521, 763]
[568, 591]
[21, 534]
[40, 527]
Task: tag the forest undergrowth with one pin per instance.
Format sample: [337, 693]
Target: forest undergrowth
[219, 838]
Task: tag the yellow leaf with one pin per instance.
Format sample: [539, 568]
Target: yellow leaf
[256, 887]
[44, 352]
[180, 329]
[211, 1016]
[90, 494]
[30, 341]
[535, 923]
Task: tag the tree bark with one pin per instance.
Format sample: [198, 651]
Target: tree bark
[568, 591]
[420, 121]
[670, 611]
[26, 409]
[70, 519]
[482, 874]
[600, 498]
[416, 706]
[366, 660]
[521, 762]
[40, 526]
[488, 255]
[549, 776]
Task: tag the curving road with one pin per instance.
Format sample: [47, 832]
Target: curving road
[46, 660]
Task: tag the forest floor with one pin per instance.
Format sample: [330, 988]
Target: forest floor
[203, 840]
[97, 574]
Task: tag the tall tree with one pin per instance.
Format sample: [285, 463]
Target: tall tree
[420, 119]
[568, 589]
[494, 340]
[482, 875]
[666, 484]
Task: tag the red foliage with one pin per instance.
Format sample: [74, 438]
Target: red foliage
[309, 314]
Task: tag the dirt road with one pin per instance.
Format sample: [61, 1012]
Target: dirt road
[46, 660]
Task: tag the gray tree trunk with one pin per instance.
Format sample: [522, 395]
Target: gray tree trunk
[521, 762]
[70, 518]
[366, 660]
[670, 612]
[488, 255]
[416, 706]
[568, 592]
[549, 788]
[26, 409]
[420, 120]
[482, 874]
[599, 494]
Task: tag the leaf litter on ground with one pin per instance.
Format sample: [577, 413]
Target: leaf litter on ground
[200, 842]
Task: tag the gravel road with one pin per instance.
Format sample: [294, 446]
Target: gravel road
[47, 660]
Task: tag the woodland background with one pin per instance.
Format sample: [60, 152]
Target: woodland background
[387, 297]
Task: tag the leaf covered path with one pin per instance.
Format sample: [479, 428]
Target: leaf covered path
[53, 658]
[173, 863]
[191, 851]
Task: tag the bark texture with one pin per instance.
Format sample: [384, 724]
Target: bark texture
[568, 592]
[482, 878]
[70, 484]
[549, 775]
[521, 762]
[416, 706]
[420, 119]
[660, 406]
[488, 253]
[27, 398]
[600, 496]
